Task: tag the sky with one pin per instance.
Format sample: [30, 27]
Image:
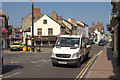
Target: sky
[86, 12]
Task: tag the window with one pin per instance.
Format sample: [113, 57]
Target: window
[39, 31]
[44, 21]
[50, 31]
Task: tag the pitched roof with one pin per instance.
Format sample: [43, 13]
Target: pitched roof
[63, 25]
[2, 13]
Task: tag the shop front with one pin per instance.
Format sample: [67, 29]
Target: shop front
[45, 41]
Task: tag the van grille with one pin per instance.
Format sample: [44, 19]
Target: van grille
[63, 55]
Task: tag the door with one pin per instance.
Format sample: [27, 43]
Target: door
[82, 49]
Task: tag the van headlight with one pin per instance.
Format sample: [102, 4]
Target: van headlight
[53, 54]
[75, 55]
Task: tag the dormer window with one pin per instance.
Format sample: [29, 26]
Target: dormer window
[44, 21]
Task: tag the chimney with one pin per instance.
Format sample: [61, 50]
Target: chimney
[37, 11]
[54, 15]
[71, 20]
[98, 23]
[59, 18]
[92, 24]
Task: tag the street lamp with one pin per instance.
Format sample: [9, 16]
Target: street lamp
[32, 27]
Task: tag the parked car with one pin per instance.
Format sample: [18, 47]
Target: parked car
[70, 50]
[16, 46]
[101, 43]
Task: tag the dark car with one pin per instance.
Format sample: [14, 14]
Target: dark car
[101, 43]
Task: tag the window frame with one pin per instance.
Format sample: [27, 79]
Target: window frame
[38, 31]
[50, 31]
[45, 21]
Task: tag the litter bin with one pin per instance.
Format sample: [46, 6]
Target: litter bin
[25, 48]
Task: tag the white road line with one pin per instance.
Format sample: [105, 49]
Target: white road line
[40, 64]
[44, 60]
[12, 75]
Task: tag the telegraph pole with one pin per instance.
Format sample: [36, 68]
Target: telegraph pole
[32, 26]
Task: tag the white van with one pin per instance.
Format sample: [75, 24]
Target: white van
[69, 50]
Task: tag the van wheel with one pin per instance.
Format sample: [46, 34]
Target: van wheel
[54, 64]
[79, 63]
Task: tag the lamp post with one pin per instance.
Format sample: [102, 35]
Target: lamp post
[32, 27]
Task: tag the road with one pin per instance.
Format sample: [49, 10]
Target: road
[29, 65]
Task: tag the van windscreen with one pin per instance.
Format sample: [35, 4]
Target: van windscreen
[68, 42]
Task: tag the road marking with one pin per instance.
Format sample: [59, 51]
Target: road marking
[91, 69]
[44, 60]
[12, 75]
[40, 64]
[87, 66]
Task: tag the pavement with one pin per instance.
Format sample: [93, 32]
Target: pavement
[105, 66]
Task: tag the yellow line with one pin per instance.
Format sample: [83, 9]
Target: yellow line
[87, 66]
[99, 53]
[86, 69]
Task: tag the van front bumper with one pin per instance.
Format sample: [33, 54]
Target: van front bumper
[66, 62]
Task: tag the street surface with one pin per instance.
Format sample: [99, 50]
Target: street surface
[38, 65]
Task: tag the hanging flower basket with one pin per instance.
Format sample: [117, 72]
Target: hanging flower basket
[30, 37]
[4, 30]
[38, 49]
[21, 36]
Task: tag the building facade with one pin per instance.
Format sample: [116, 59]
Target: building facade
[82, 29]
[114, 29]
[5, 29]
[96, 32]
[46, 30]
[27, 20]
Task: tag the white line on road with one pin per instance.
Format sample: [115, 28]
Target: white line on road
[42, 63]
[13, 74]
[44, 60]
